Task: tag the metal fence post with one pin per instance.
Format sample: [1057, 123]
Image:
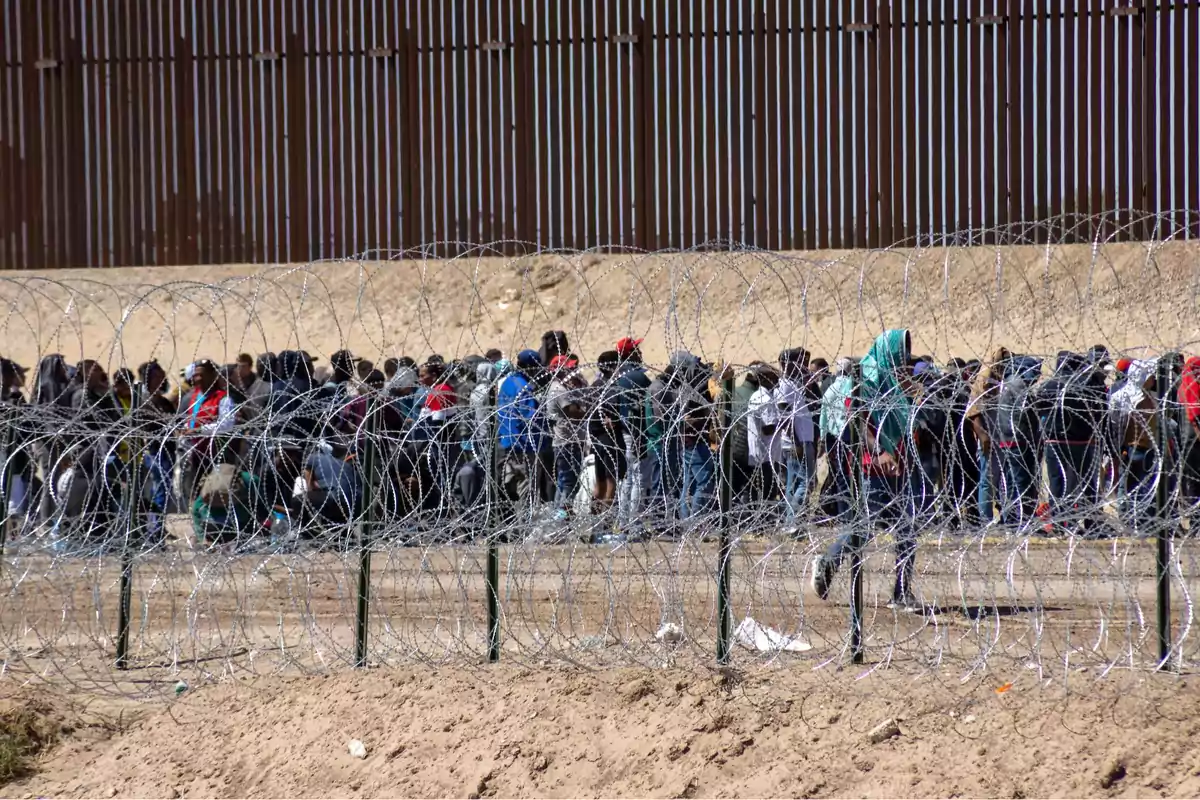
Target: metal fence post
[6, 440]
[132, 527]
[726, 499]
[857, 534]
[1162, 563]
[366, 535]
[494, 489]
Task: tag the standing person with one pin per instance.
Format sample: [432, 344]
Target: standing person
[606, 433]
[633, 385]
[210, 413]
[154, 415]
[1071, 409]
[16, 469]
[52, 395]
[343, 366]
[740, 430]
[566, 409]
[698, 417]
[799, 396]
[1135, 425]
[1189, 402]
[1016, 441]
[960, 446]
[265, 370]
[436, 424]
[887, 469]
[833, 422]
[981, 414]
[520, 433]
[766, 423]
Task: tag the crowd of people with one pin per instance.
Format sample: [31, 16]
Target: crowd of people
[280, 447]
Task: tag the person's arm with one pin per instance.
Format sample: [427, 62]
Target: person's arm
[226, 417]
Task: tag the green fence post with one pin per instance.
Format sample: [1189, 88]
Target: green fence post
[857, 535]
[1162, 562]
[726, 500]
[494, 493]
[366, 535]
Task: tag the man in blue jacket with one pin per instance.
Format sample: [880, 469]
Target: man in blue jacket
[521, 431]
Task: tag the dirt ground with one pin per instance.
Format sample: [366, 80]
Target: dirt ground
[721, 306]
[586, 701]
[568, 732]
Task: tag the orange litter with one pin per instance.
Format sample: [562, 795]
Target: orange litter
[1003, 689]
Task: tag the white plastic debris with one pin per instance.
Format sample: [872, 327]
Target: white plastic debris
[669, 633]
[767, 640]
[357, 749]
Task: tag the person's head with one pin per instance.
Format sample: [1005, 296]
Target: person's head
[819, 367]
[768, 377]
[431, 374]
[529, 363]
[843, 366]
[365, 368]
[205, 375]
[373, 382]
[243, 370]
[565, 368]
[344, 366]
[794, 362]
[493, 355]
[403, 383]
[122, 383]
[266, 367]
[152, 377]
[390, 366]
[607, 363]
[13, 375]
[630, 350]
[406, 362]
[92, 376]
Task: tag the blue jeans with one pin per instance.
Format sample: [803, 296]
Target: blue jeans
[984, 499]
[1019, 485]
[890, 503]
[696, 496]
[568, 463]
[800, 473]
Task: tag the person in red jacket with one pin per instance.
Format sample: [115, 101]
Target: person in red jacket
[209, 412]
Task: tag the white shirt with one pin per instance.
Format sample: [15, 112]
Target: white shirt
[763, 412]
[799, 422]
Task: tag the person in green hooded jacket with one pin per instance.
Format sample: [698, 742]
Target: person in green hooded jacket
[882, 417]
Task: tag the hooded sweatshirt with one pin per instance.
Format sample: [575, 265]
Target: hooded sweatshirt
[882, 395]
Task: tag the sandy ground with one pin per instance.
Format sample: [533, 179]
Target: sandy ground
[737, 307]
[585, 701]
[554, 732]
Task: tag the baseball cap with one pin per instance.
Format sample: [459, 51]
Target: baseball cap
[564, 362]
[528, 358]
[627, 345]
[1124, 364]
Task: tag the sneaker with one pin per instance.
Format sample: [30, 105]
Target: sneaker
[906, 604]
[822, 577]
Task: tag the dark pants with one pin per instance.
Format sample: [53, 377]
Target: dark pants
[568, 463]
[1139, 479]
[1019, 485]
[1071, 468]
[890, 505]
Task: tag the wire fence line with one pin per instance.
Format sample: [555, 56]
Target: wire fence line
[966, 458]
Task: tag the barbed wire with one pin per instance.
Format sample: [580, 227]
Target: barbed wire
[598, 459]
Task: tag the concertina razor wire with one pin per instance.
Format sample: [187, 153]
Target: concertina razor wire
[937, 457]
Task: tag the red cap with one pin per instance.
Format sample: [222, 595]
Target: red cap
[1124, 364]
[563, 362]
[626, 346]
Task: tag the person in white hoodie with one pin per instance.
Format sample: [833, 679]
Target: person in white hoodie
[766, 428]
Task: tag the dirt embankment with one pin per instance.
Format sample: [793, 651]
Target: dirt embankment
[507, 731]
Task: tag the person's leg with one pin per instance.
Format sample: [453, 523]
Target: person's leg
[1142, 466]
[568, 462]
[797, 486]
[983, 499]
